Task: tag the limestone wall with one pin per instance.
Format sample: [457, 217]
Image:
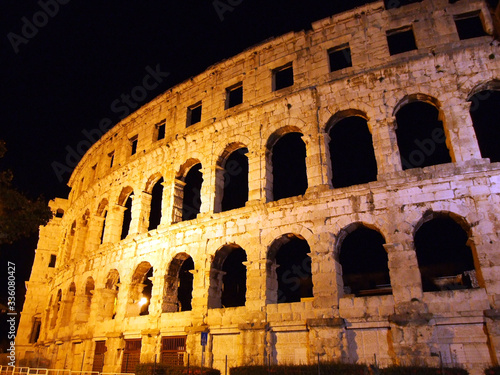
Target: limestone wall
[406, 326]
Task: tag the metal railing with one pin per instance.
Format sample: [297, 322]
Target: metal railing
[9, 370]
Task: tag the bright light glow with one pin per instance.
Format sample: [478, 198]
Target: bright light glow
[143, 301]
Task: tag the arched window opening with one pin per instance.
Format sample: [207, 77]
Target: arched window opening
[351, 152]
[178, 292]
[420, 135]
[228, 278]
[127, 217]
[109, 295]
[289, 166]
[156, 205]
[486, 120]
[289, 270]
[191, 201]
[235, 192]
[363, 258]
[68, 305]
[444, 258]
[140, 290]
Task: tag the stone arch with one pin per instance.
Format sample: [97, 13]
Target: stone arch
[286, 172]
[485, 101]
[187, 191]
[151, 182]
[140, 290]
[364, 261]
[228, 277]
[289, 274]
[178, 288]
[420, 132]
[351, 152]
[231, 178]
[445, 255]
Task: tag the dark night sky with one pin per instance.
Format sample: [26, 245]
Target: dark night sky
[66, 74]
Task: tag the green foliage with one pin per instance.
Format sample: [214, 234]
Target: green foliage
[495, 370]
[327, 368]
[163, 369]
[19, 216]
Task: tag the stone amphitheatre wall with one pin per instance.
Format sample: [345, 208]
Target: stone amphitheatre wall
[87, 281]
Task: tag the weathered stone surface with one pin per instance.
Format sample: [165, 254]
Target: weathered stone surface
[94, 291]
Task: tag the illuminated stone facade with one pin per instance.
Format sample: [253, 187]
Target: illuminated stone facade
[274, 274]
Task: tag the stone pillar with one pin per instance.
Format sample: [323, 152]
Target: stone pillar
[256, 277]
[207, 189]
[315, 167]
[143, 211]
[253, 343]
[404, 273]
[112, 359]
[385, 145]
[178, 195]
[149, 346]
[82, 308]
[325, 339]
[324, 273]
[134, 296]
[105, 303]
[96, 226]
[114, 222]
[492, 318]
[459, 130]
[136, 223]
[169, 300]
[166, 208]
[256, 160]
[200, 293]
[219, 188]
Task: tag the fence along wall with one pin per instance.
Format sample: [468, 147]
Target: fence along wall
[276, 228]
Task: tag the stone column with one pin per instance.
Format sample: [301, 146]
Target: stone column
[315, 165]
[219, 188]
[136, 223]
[256, 160]
[150, 338]
[325, 338]
[166, 210]
[207, 189]
[253, 343]
[143, 211]
[492, 318]
[325, 273]
[256, 278]
[106, 303]
[96, 226]
[178, 195]
[114, 222]
[385, 145]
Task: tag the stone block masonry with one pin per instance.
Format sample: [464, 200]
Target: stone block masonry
[347, 210]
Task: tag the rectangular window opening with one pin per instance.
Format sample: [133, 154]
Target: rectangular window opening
[172, 350]
[133, 145]
[234, 95]
[469, 25]
[401, 40]
[339, 58]
[52, 262]
[283, 77]
[160, 130]
[194, 114]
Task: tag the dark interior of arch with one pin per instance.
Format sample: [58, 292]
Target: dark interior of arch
[103, 226]
[484, 112]
[289, 166]
[146, 292]
[235, 180]
[185, 289]
[351, 153]
[444, 258]
[420, 135]
[364, 263]
[127, 217]
[294, 271]
[234, 282]
[156, 199]
[191, 201]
